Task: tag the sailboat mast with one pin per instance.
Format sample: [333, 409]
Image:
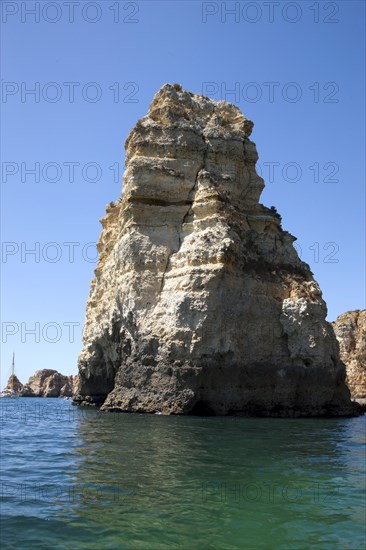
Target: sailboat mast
[12, 372]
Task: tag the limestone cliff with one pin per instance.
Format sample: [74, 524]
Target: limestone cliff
[49, 383]
[200, 304]
[350, 330]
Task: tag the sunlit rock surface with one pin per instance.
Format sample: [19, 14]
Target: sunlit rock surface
[350, 330]
[49, 383]
[200, 303]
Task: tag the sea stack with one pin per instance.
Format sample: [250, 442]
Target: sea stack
[200, 303]
[49, 383]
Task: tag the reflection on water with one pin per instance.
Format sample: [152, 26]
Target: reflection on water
[141, 481]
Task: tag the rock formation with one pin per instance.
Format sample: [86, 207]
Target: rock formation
[74, 383]
[350, 330]
[13, 385]
[49, 383]
[200, 303]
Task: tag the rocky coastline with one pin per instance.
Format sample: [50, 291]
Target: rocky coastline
[44, 383]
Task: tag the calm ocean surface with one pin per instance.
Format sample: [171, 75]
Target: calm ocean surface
[79, 479]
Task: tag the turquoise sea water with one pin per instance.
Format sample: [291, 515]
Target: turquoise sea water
[79, 479]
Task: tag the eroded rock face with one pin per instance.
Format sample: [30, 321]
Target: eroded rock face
[350, 330]
[200, 304]
[49, 383]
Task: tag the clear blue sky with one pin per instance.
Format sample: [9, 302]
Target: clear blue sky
[310, 121]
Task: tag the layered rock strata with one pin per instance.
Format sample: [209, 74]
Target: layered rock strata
[350, 330]
[200, 303]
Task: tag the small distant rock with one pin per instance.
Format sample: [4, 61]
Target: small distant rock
[49, 383]
[14, 384]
